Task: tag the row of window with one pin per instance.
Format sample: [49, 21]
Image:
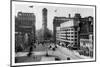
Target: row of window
[67, 39]
[26, 23]
[25, 17]
[75, 37]
[71, 42]
[72, 39]
[62, 36]
[69, 29]
[74, 43]
[71, 32]
[67, 32]
[69, 36]
[25, 14]
[72, 36]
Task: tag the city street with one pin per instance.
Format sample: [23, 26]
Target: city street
[60, 53]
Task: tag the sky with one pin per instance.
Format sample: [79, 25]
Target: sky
[61, 11]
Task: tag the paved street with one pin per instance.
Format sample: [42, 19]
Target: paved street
[40, 54]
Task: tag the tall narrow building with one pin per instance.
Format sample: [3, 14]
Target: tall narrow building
[44, 34]
[44, 23]
[44, 14]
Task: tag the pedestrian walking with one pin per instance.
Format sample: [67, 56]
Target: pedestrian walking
[30, 51]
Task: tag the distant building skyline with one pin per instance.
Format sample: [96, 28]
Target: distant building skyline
[60, 11]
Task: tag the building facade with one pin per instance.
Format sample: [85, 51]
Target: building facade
[68, 33]
[73, 29]
[56, 23]
[44, 23]
[44, 34]
[25, 27]
[86, 35]
[24, 22]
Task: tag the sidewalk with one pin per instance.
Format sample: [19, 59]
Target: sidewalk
[20, 54]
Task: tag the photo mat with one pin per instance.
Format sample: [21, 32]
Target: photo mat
[52, 33]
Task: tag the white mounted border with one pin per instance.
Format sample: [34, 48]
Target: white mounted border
[48, 4]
